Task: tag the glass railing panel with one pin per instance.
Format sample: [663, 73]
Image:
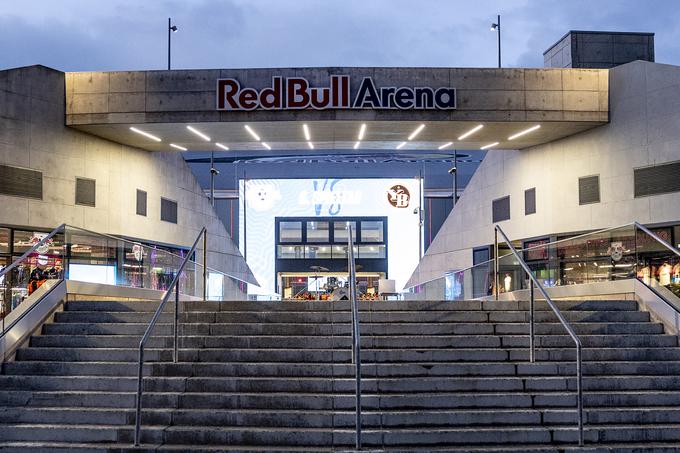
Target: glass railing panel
[658, 266]
[466, 284]
[602, 256]
[27, 274]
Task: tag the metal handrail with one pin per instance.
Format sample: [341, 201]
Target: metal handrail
[154, 319]
[356, 335]
[532, 346]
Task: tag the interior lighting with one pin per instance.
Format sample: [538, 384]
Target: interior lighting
[470, 132]
[416, 132]
[401, 145]
[526, 131]
[266, 146]
[199, 133]
[308, 137]
[445, 145]
[362, 131]
[252, 132]
[311, 145]
[220, 145]
[356, 145]
[181, 148]
[490, 145]
[145, 134]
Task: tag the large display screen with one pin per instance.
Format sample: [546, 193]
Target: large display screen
[262, 200]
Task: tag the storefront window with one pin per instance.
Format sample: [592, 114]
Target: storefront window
[317, 231]
[4, 240]
[318, 252]
[290, 232]
[25, 240]
[340, 231]
[371, 251]
[290, 252]
[372, 231]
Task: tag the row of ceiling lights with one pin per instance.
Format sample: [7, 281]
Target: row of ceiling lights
[360, 137]
[176, 146]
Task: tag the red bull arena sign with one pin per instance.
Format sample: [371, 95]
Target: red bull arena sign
[296, 93]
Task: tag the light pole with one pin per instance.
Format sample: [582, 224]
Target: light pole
[454, 172]
[497, 28]
[213, 172]
[171, 29]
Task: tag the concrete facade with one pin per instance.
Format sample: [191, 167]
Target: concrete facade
[644, 130]
[567, 101]
[599, 49]
[33, 135]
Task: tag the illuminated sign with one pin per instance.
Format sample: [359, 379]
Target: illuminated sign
[261, 201]
[398, 196]
[296, 93]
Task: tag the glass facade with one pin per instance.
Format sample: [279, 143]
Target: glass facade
[290, 232]
[318, 231]
[340, 229]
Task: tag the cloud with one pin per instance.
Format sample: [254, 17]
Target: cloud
[78, 35]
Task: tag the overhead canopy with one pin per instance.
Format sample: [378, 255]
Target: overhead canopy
[334, 103]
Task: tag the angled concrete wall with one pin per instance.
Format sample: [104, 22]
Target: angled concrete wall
[33, 135]
[644, 130]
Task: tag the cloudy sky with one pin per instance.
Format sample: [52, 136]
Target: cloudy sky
[76, 35]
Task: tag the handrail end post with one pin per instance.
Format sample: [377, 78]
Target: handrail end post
[205, 264]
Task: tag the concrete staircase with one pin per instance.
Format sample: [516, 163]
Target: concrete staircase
[438, 376]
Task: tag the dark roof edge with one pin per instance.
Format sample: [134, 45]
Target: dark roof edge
[31, 66]
[598, 32]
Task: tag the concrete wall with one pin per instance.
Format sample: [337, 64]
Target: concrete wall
[33, 135]
[482, 95]
[644, 130]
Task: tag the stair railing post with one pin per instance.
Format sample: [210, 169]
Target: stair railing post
[205, 265]
[138, 409]
[495, 263]
[174, 325]
[532, 344]
[579, 393]
[356, 338]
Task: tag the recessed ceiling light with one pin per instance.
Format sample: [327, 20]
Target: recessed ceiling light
[401, 145]
[145, 134]
[311, 145]
[181, 148]
[470, 132]
[356, 145]
[445, 145]
[416, 132]
[308, 137]
[220, 145]
[362, 131]
[252, 132]
[199, 133]
[266, 146]
[490, 145]
[525, 131]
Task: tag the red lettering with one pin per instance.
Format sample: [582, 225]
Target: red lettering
[226, 93]
[335, 85]
[248, 98]
[272, 98]
[345, 92]
[320, 98]
[296, 93]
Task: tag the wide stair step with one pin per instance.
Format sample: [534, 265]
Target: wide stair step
[277, 376]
